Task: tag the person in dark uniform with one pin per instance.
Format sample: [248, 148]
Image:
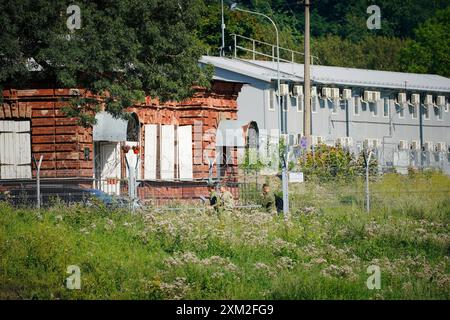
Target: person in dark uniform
[213, 197]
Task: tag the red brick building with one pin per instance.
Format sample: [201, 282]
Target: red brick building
[174, 142]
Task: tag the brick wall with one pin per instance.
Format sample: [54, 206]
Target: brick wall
[57, 138]
[206, 106]
[62, 141]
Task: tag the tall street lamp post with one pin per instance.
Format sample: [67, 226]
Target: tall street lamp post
[307, 80]
[222, 26]
[284, 176]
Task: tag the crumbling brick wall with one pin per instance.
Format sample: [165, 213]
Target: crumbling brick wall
[59, 139]
[207, 106]
[62, 142]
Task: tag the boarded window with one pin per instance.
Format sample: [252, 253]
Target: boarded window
[167, 152]
[185, 152]
[150, 151]
[15, 150]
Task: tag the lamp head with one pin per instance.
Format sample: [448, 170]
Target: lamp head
[233, 6]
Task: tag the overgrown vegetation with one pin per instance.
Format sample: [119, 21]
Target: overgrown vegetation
[321, 252]
[326, 163]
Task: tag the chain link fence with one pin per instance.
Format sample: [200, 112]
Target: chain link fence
[341, 189]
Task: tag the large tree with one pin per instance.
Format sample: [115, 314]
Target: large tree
[429, 52]
[339, 31]
[124, 50]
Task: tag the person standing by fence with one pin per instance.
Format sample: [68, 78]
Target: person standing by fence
[267, 200]
[214, 197]
[220, 199]
[226, 199]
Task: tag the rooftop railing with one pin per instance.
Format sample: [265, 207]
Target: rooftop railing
[255, 49]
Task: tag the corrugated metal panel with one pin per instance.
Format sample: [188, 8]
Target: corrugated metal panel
[266, 71]
[185, 152]
[242, 67]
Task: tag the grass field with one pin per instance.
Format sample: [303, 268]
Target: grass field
[321, 252]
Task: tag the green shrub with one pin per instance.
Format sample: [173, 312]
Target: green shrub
[326, 163]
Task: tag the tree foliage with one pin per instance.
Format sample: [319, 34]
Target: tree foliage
[127, 49]
[430, 51]
[339, 32]
[124, 50]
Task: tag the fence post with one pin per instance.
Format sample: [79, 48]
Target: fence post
[135, 183]
[245, 188]
[132, 185]
[210, 170]
[284, 179]
[255, 196]
[254, 50]
[38, 182]
[367, 181]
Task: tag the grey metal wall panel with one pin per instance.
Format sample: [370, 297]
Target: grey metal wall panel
[108, 128]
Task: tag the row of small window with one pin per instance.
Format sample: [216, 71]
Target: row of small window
[296, 101]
